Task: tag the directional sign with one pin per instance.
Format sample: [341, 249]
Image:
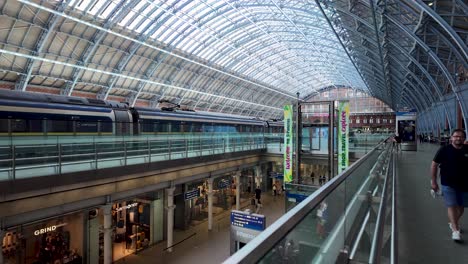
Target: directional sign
[192, 194]
[247, 220]
[295, 197]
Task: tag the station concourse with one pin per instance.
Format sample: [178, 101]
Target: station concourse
[135, 131]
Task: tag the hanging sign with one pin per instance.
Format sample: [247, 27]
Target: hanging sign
[288, 146]
[192, 194]
[128, 206]
[343, 136]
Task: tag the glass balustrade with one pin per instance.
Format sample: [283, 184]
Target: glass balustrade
[328, 226]
[32, 156]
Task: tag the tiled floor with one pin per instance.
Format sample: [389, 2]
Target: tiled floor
[200, 245]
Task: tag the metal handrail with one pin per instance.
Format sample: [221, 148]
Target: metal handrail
[394, 233]
[261, 244]
[376, 248]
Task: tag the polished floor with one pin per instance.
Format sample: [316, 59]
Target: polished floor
[198, 245]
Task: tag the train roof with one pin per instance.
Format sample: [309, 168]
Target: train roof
[58, 99]
[190, 115]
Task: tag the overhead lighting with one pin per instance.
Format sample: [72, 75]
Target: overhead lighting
[430, 4]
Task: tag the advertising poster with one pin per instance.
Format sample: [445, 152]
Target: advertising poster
[288, 145]
[343, 136]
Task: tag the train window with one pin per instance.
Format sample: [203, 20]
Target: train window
[164, 126]
[207, 127]
[18, 125]
[3, 125]
[86, 126]
[59, 126]
[175, 127]
[106, 127]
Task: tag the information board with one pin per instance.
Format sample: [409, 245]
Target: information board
[247, 220]
[192, 194]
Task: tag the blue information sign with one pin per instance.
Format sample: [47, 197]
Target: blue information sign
[296, 196]
[192, 194]
[246, 220]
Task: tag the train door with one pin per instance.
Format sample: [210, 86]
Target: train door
[123, 122]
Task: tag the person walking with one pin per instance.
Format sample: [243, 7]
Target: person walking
[258, 194]
[452, 160]
[397, 140]
[274, 189]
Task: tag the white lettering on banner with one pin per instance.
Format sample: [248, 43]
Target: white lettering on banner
[126, 207]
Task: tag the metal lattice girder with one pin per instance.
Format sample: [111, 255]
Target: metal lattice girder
[233, 56]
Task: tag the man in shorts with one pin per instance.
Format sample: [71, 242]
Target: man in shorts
[453, 162]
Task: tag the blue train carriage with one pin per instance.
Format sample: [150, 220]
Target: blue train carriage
[154, 121]
[32, 114]
[208, 128]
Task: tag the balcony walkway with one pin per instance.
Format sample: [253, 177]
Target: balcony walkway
[424, 235]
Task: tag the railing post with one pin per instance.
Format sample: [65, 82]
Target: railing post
[224, 145]
[59, 153]
[13, 161]
[125, 153]
[95, 156]
[169, 148]
[186, 147]
[201, 148]
[149, 150]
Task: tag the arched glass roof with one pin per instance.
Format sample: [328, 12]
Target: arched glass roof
[239, 57]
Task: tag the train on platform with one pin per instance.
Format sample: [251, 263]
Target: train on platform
[29, 114]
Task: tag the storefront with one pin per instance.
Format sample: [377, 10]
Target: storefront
[58, 240]
[138, 223]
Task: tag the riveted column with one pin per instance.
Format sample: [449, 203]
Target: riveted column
[107, 210]
[238, 185]
[2, 235]
[170, 217]
[210, 204]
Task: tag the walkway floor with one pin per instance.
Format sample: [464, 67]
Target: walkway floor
[424, 235]
[200, 245]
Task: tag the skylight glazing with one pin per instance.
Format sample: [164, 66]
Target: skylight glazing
[285, 44]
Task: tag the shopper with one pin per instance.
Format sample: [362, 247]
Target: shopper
[274, 189]
[258, 194]
[453, 162]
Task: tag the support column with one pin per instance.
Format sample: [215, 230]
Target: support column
[2, 235]
[170, 217]
[107, 233]
[258, 177]
[238, 185]
[210, 204]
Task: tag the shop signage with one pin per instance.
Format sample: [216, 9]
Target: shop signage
[128, 206]
[47, 229]
[222, 184]
[192, 194]
[288, 146]
[343, 136]
[247, 220]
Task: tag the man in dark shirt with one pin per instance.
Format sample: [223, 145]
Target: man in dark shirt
[258, 194]
[453, 162]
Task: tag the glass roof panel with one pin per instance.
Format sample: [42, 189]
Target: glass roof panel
[280, 44]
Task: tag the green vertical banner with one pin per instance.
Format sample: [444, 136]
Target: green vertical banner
[343, 136]
[288, 143]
